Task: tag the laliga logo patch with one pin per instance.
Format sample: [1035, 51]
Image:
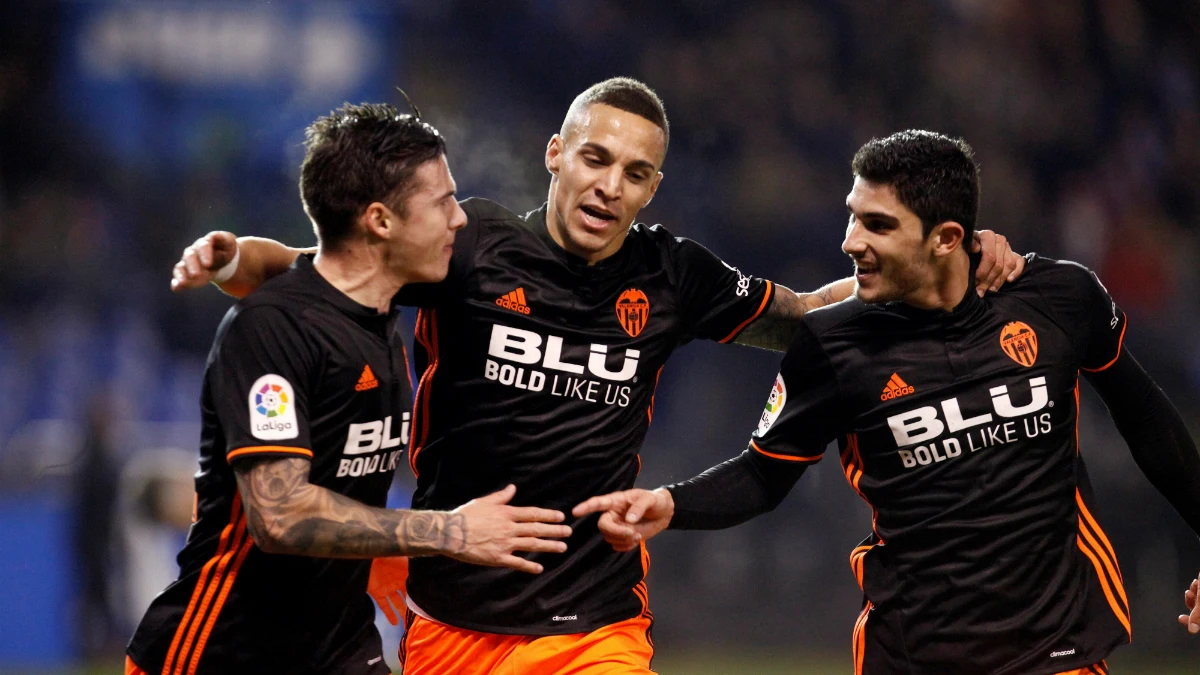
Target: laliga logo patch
[633, 310]
[1020, 343]
[774, 405]
[273, 409]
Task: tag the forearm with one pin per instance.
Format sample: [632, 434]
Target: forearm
[732, 492]
[286, 514]
[259, 259]
[777, 326]
[1156, 434]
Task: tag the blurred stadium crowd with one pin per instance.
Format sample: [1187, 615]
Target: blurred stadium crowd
[127, 129]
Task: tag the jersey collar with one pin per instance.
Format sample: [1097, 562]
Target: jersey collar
[369, 317]
[536, 220]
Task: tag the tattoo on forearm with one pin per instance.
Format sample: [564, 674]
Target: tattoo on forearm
[776, 328]
[287, 514]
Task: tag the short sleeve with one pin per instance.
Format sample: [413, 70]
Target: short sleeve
[802, 415]
[260, 377]
[1086, 311]
[717, 300]
[462, 263]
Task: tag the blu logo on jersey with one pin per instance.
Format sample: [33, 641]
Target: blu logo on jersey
[525, 346]
[923, 424]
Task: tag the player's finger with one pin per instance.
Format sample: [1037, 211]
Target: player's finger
[597, 504]
[542, 530]
[533, 514]
[640, 505]
[1018, 267]
[190, 262]
[500, 496]
[539, 545]
[611, 525]
[1003, 253]
[519, 564]
[204, 250]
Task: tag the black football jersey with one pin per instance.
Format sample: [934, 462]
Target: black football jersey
[539, 370]
[297, 369]
[960, 430]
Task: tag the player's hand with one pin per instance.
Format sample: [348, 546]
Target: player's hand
[1192, 619]
[998, 263]
[493, 530]
[201, 261]
[629, 517]
[387, 585]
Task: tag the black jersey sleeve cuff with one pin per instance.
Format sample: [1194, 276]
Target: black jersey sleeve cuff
[768, 295]
[268, 451]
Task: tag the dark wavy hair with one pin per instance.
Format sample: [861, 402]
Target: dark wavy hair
[358, 155]
[935, 176]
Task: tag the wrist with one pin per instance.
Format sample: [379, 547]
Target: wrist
[667, 502]
[229, 269]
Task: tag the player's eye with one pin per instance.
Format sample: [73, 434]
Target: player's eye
[592, 160]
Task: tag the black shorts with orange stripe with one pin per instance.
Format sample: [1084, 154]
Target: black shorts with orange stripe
[297, 370]
[960, 430]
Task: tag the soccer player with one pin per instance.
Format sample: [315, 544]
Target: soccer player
[540, 353]
[305, 418]
[957, 419]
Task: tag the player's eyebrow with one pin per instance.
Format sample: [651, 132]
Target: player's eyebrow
[606, 156]
[875, 215]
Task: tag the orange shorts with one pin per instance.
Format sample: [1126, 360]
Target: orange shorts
[1098, 669]
[431, 648]
[131, 668]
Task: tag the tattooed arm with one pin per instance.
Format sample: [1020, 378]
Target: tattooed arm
[287, 514]
[775, 328]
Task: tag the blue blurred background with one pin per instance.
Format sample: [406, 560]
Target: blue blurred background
[129, 128]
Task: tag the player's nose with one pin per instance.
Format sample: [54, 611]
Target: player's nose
[459, 219]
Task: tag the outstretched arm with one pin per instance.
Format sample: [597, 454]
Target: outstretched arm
[237, 265]
[1160, 444]
[777, 326]
[726, 495]
[287, 514]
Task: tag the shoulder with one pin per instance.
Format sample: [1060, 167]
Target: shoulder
[480, 210]
[847, 313]
[1040, 270]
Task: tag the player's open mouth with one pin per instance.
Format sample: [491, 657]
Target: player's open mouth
[865, 272]
[594, 218]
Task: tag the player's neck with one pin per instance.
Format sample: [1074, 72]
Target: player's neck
[948, 284]
[557, 227]
[361, 273]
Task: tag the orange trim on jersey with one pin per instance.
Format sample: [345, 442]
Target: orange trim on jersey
[131, 668]
[1105, 562]
[761, 307]
[235, 517]
[1120, 341]
[426, 334]
[243, 551]
[786, 458]
[859, 642]
[269, 448]
[650, 408]
[857, 557]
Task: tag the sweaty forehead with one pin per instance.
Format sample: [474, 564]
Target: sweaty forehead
[620, 131]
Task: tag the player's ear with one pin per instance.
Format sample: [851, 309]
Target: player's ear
[554, 152]
[947, 238]
[653, 189]
[379, 221]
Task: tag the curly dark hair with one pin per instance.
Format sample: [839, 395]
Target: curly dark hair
[934, 175]
[357, 155]
[630, 95]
